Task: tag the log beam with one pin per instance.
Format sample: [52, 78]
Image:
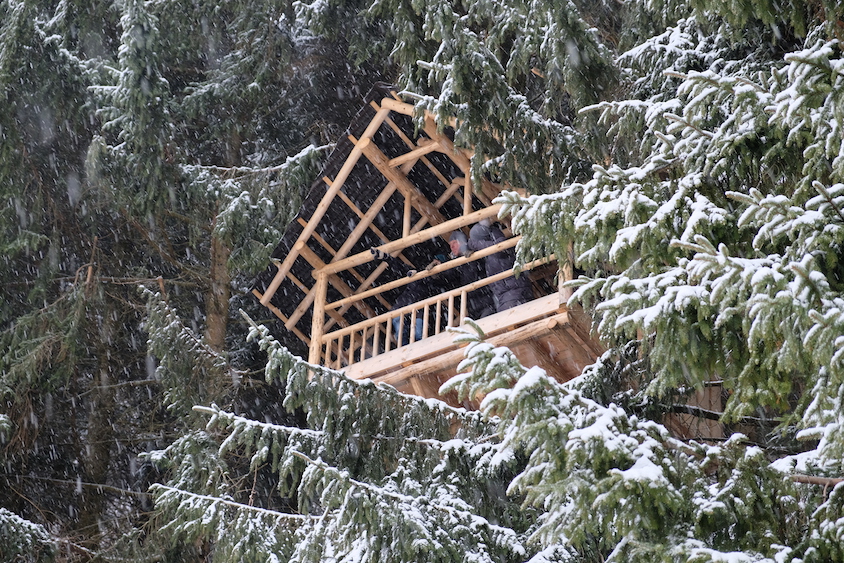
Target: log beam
[415, 238]
[327, 198]
[405, 186]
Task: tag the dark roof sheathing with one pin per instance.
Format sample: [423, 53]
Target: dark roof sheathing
[362, 187]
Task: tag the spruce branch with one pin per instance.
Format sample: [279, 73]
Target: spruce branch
[415, 501]
[748, 82]
[821, 189]
[241, 420]
[156, 487]
[292, 430]
[675, 74]
[199, 344]
[100, 487]
[681, 120]
[700, 246]
[246, 170]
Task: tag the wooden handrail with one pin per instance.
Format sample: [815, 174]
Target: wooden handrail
[430, 301]
[415, 238]
[423, 274]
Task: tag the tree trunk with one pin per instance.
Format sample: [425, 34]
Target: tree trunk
[217, 299]
[219, 289]
[98, 441]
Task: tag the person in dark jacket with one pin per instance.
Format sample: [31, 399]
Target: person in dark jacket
[510, 291]
[480, 300]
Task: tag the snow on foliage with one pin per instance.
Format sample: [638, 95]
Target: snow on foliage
[24, 541]
[694, 182]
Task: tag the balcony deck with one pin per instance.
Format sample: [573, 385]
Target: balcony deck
[542, 332]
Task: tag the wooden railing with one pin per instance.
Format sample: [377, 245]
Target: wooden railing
[378, 335]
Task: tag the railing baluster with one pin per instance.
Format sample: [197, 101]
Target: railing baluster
[375, 342]
[412, 327]
[400, 332]
[336, 363]
[389, 335]
[427, 314]
[464, 301]
[450, 309]
[438, 322]
[333, 362]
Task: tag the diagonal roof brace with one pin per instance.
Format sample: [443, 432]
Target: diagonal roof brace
[397, 245]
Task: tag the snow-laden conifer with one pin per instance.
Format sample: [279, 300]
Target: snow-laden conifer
[372, 473]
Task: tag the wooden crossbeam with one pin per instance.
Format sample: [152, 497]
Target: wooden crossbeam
[405, 186]
[457, 155]
[283, 318]
[451, 188]
[335, 280]
[336, 316]
[415, 238]
[509, 243]
[364, 224]
[407, 141]
[398, 106]
[450, 191]
[327, 198]
[488, 189]
[351, 205]
[363, 287]
[352, 271]
[425, 146]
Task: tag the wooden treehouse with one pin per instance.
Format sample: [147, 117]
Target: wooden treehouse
[404, 191]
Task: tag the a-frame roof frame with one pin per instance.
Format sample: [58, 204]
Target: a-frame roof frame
[386, 184]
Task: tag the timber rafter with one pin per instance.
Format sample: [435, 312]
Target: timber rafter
[416, 178]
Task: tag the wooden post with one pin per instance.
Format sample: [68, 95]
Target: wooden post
[388, 334]
[413, 326]
[566, 273]
[408, 208]
[318, 322]
[375, 340]
[427, 314]
[467, 195]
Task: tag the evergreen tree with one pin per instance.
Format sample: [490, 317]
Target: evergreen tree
[109, 186]
[691, 157]
[708, 237]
